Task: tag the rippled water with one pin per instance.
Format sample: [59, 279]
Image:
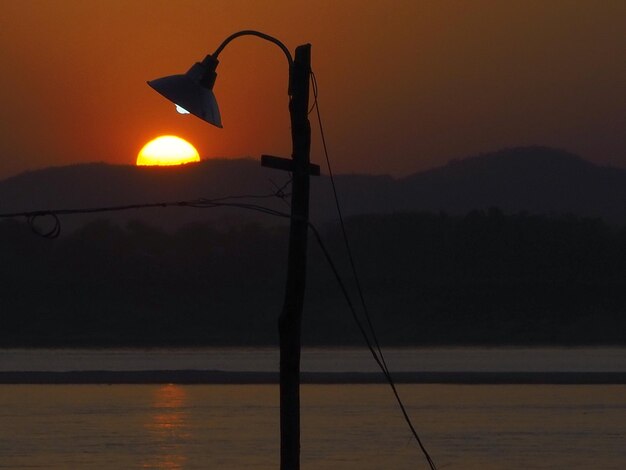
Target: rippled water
[343, 427]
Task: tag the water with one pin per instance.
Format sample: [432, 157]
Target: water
[343, 426]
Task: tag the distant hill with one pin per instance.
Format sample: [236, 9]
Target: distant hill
[533, 179]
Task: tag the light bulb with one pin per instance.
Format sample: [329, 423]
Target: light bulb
[181, 110]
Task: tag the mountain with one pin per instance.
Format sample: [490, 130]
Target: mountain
[533, 179]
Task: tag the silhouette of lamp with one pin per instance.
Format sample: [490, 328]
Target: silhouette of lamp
[192, 93]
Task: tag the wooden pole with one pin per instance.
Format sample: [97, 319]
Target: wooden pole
[289, 322]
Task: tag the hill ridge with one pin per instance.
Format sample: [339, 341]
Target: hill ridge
[536, 179]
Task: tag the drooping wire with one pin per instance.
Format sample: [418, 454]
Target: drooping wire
[378, 360]
[201, 203]
[342, 224]
[378, 353]
[278, 192]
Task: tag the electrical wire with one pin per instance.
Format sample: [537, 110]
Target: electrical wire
[201, 203]
[382, 366]
[379, 358]
[342, 224]
[279, 192]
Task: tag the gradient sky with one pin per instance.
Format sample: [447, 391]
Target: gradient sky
[404, 85]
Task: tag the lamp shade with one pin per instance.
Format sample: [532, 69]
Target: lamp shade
[193, 91]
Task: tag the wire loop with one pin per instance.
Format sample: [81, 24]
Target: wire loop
[50, 233]
[32, 217]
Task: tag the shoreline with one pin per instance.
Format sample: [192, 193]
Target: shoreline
[217, 377]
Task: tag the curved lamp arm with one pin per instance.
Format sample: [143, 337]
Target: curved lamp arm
[192, 92]
[251, 32]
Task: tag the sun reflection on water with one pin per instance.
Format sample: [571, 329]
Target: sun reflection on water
[168, 428]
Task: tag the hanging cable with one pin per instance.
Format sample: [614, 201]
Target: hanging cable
[370, 347]
[342, 224]
[378, 353]
[201, 203]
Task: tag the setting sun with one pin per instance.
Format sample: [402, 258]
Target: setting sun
[167, 150]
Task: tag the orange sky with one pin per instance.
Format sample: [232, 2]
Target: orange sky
[404, 85]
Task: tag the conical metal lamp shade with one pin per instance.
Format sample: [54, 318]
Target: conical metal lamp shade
[191, 92]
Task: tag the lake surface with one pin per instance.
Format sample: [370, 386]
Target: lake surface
[343, 427]
[167, 426]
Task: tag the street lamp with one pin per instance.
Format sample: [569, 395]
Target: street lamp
[192, 93]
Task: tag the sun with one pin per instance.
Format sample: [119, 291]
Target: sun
[167, 150]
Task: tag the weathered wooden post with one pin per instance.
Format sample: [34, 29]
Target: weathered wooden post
[289, 322]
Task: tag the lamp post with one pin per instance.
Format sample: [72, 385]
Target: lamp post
[192, 93]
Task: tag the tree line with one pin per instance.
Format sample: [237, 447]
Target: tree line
[428, 278]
